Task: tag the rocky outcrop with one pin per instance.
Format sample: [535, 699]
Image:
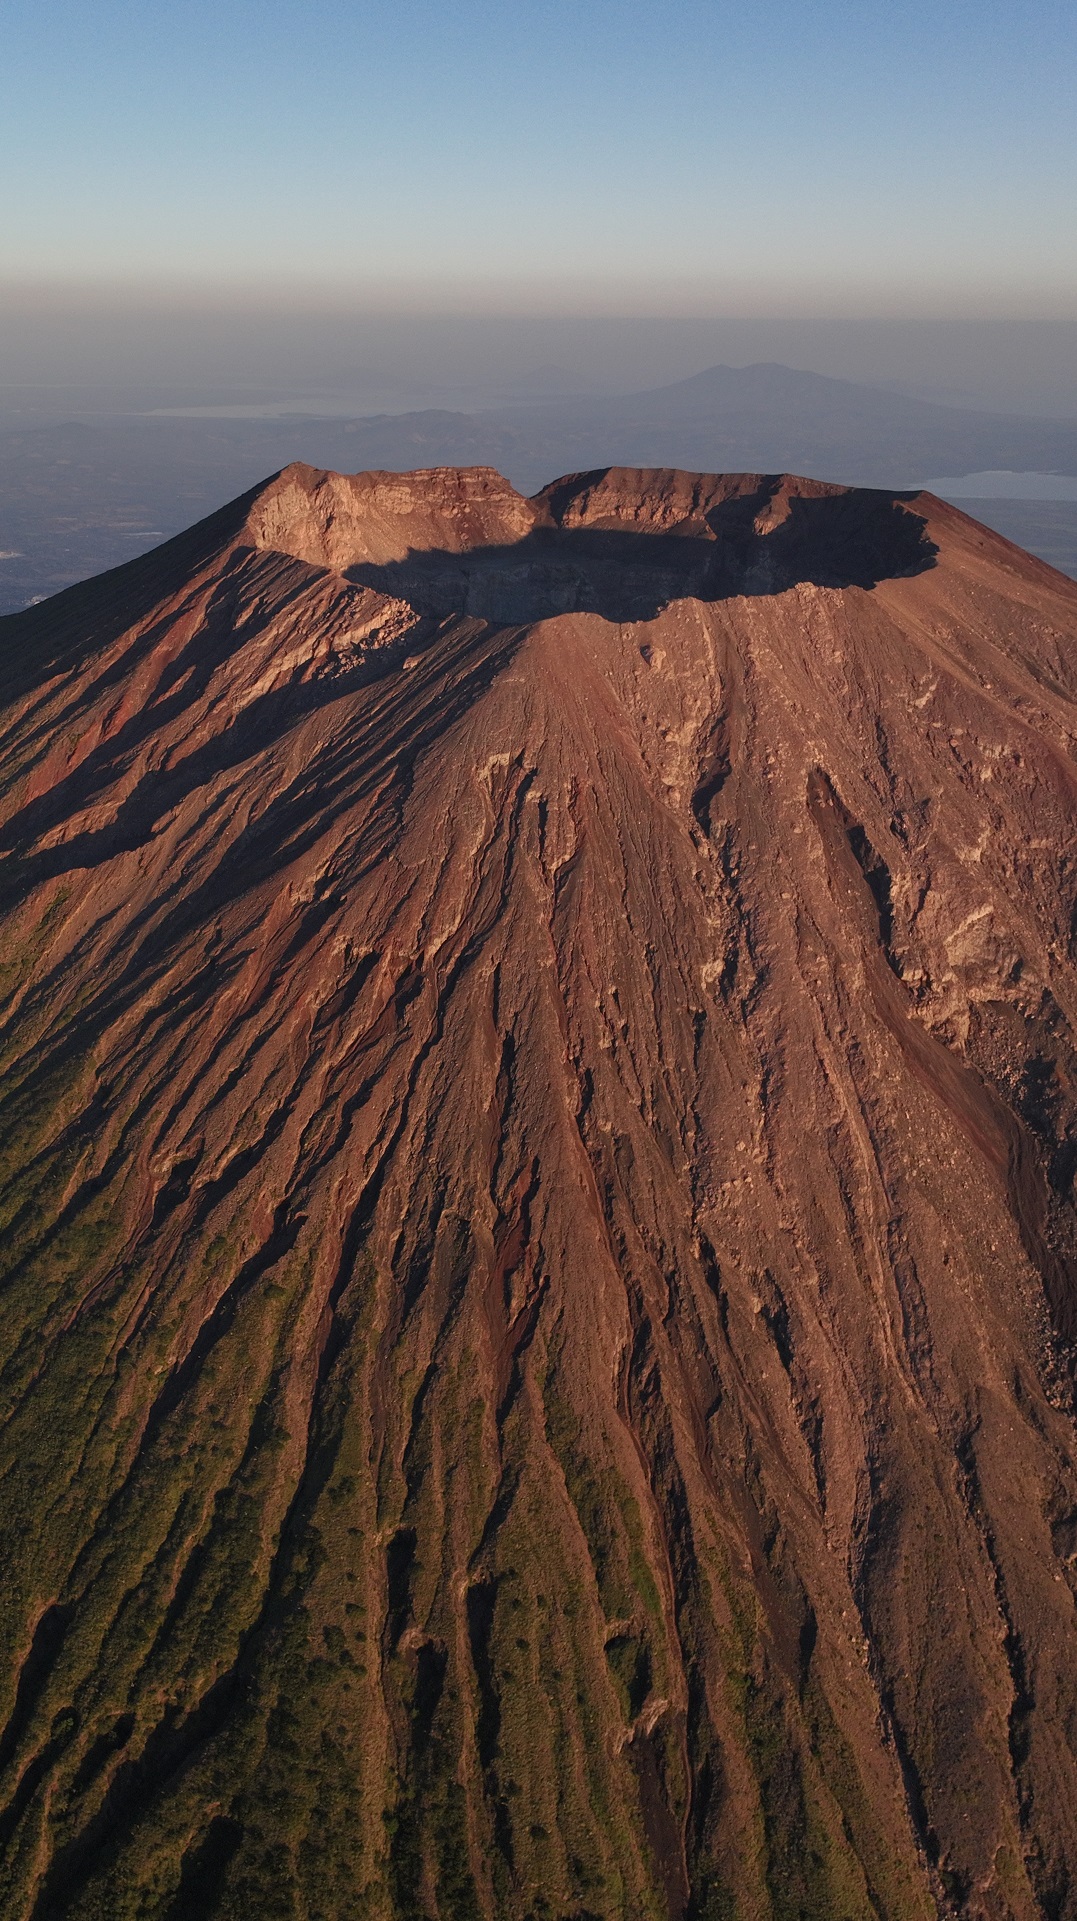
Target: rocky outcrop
[539, 1130]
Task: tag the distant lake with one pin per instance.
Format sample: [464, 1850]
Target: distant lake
[998, 484]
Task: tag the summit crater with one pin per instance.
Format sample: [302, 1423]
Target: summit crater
[618, 543]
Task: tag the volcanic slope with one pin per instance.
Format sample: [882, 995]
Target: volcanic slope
[539, 1128]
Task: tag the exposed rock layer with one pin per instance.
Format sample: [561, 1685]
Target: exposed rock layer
[539, 1134]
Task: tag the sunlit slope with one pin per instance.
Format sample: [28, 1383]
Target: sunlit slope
[538, 1256]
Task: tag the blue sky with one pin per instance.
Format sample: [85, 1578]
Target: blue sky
[809, 156]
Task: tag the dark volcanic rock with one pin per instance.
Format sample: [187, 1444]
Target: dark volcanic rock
[538, 1155]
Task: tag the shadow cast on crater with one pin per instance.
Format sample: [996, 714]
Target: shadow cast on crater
[854, 539]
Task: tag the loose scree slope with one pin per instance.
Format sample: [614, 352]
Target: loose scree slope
[538, 1243]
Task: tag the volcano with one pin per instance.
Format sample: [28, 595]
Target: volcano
[539, 1261]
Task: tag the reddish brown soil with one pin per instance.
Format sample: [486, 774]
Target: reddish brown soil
[538, 1246]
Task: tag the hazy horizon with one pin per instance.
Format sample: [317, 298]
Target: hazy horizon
[113, 350]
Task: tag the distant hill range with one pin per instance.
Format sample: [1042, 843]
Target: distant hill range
[774, 417]
[79, 496]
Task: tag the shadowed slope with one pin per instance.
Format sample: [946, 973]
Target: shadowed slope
[538, 1199]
